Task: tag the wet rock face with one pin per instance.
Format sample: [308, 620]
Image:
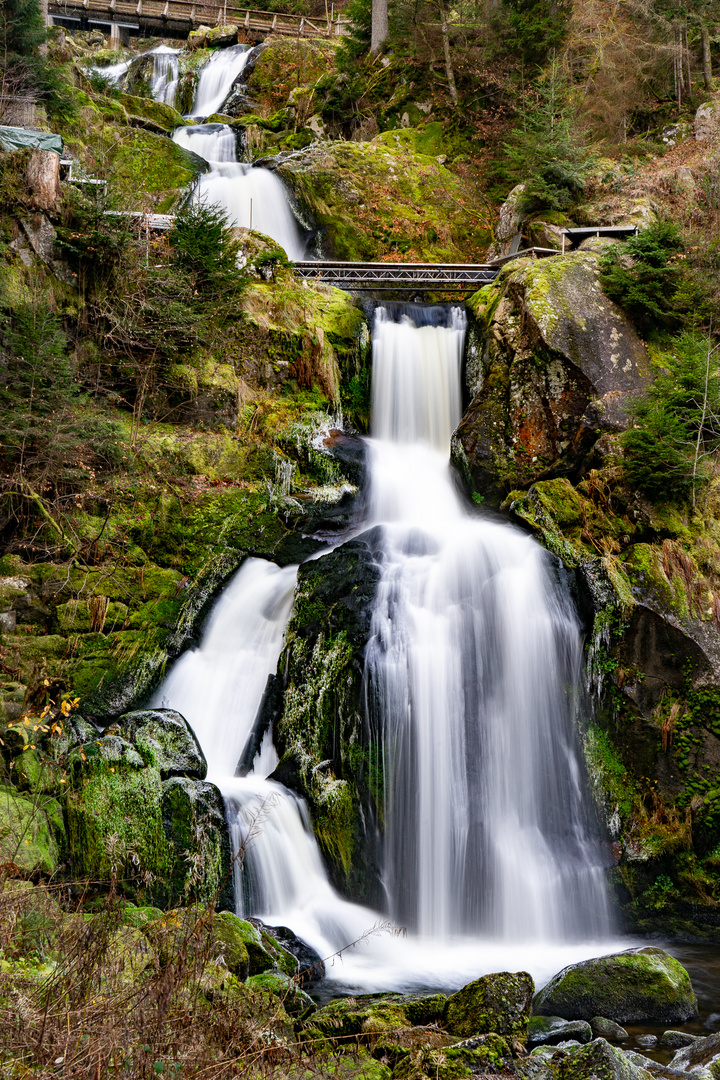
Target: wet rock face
[638, 986]
[319, 726]
[560, 366]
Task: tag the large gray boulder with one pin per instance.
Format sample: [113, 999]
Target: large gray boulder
[560, 365]
[638, 986]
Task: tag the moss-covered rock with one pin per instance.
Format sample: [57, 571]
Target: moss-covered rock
[599, 1061]
[193, 818]
[230, 935]
[294, 1000]
[497, 1003]
[640, 985]
[29, 832]
[483, 1055]
[165, 740]
[381, 198]
[561, 363]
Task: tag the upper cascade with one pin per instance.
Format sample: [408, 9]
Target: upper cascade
[217, 77]
[165, 72]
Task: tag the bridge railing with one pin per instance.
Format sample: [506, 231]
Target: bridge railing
[197, 12]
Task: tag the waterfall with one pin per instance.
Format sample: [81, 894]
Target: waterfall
[165, 74]
[251, 198]
[471, 671]
[472, 667]
[217, 77]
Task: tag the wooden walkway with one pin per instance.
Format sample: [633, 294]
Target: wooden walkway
[182, 16]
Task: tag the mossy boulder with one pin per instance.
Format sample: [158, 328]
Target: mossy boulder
[29, 832]
[638, 986]
[158, 116]
[113, 813]
[165, 740]
[560, 366]
[599, 1061]
[498, 1003]
[259, 959]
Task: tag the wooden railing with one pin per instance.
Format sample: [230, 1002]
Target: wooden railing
[198, 12]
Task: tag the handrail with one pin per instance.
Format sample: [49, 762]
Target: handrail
[200, 11]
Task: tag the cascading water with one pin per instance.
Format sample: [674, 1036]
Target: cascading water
[472, 665]
[165, 73]
[217, 77]
[251, 198]
[471, 671]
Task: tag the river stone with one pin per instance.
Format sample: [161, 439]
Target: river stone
[599, 1061]
[607, 1029]
[551, 1030]
[703, 1054]
[498, 1003]
[561, 365]
[676, 1040]
[164, 739]
[637, 986]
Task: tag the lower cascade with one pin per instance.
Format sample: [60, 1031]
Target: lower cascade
[250, 197]
[472, 670]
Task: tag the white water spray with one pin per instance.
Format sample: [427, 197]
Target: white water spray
[472, 663]
[251, 198]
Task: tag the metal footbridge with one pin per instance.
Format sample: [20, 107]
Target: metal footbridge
[394, 276]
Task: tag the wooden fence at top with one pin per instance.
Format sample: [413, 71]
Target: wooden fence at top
[184, 15]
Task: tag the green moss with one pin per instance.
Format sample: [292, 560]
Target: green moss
[495, 1003]
[156, 111]
[614, 789]
[144, 163]
[114, 814]
[27, 839]
[381, 198]
[294, 1000]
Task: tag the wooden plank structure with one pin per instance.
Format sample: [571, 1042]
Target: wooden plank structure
[174, 17]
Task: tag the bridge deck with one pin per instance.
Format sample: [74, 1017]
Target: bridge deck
[390, 276]
[185, 14]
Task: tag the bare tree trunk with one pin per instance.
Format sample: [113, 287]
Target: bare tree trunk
[446, 47]
[44, 11]
[706, 61]
[379, 26]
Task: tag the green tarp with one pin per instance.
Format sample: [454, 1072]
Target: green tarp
[13, 138]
